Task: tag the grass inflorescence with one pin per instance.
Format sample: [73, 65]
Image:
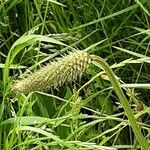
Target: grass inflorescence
[56, 73]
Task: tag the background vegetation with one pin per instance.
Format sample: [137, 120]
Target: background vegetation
[84, 114]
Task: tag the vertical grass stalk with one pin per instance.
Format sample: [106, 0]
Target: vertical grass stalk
[144, 144]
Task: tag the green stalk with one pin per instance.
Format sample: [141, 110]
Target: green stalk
[144, 144]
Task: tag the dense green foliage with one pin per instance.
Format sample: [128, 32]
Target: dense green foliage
[85, 113]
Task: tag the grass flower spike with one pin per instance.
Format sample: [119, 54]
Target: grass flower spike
[55, 74]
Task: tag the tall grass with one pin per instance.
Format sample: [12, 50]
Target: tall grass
[89, 112]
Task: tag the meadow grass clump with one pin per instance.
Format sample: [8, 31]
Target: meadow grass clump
[94, 116]
[55, 74]
[69, 68]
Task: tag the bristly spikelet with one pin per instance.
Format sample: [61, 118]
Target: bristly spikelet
[67, 68]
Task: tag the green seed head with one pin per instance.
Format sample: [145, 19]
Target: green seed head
[55, 74]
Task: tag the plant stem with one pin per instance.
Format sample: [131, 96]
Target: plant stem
[144, 144]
